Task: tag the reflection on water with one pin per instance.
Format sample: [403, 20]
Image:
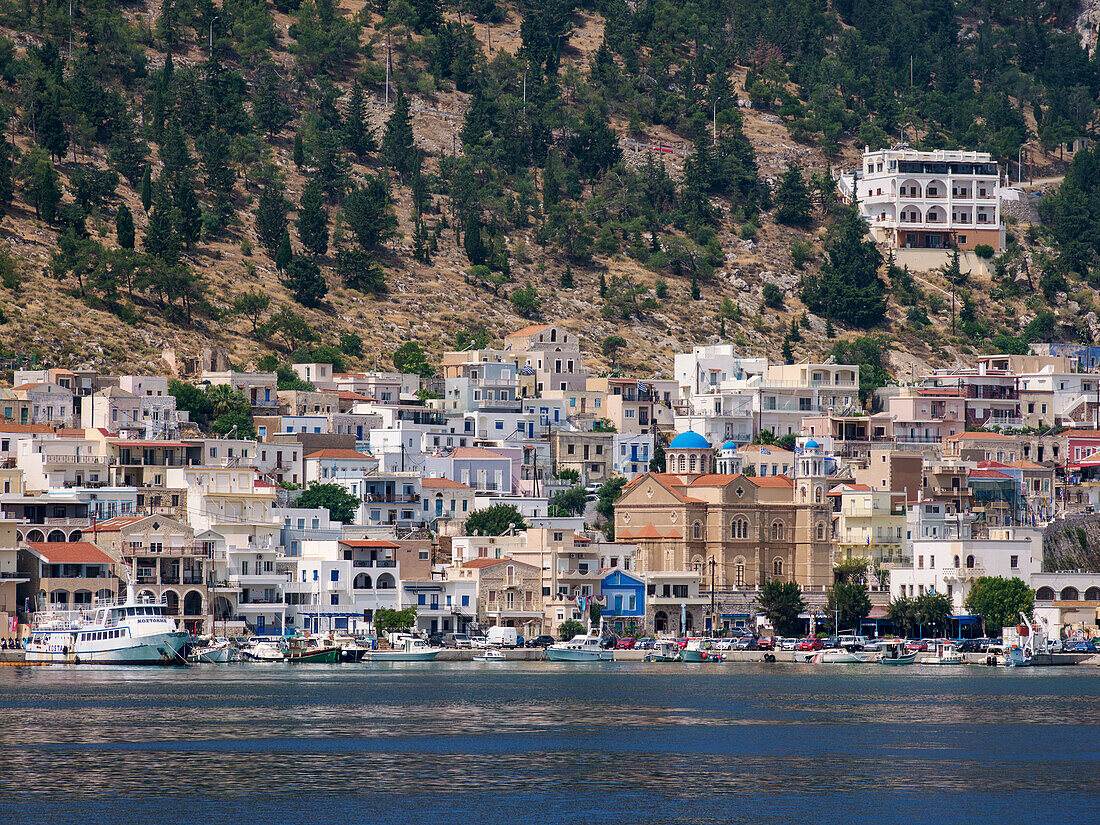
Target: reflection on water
[535, 737]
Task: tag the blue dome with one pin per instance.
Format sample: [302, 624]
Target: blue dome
[690, 440]
[812, 445]
[729, 445]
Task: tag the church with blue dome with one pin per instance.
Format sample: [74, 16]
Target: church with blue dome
[690, 454]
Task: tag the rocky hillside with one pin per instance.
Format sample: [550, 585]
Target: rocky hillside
[567, 137]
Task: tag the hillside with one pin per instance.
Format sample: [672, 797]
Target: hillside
[532, 131]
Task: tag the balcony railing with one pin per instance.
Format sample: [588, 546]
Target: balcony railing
[137, 549]
[389, 498]
[57, 458]
[963, 573]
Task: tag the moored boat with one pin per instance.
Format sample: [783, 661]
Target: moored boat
[263, 649]
[838, 657]
[298, 650]
[665, 650]
[945, 654]
[490, 655]
[412, 649]
[896, 653]
[700, 650]
[218, 651]
[128, 632]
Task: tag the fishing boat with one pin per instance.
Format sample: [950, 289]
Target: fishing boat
[1018, 656]
[701, 650]
[129, 632]
[896, 653]
[217, 651]
[299, 650]
[263, 649]
[946, 654]
[411, 649]
[666, 650]
[490, 655]
[352, 649]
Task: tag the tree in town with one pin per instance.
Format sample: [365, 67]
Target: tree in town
[495, 521]
[124, 227]
[388, 620]
[658, 463]
[932, 612]
[312, 219]
[782, 602]
[570, 628]
[306, 283]
[792, 199]
[570, 502]
[568, 474]
[610, 347]
[999, 601]
[606, 496]
[902, 613]
[848, 604]
[410, 358]
[341, 504]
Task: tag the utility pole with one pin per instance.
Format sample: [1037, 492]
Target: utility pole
[387, 68]
[714, 122]
[713, 599]
[212, 22]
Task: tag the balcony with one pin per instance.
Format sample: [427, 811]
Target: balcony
[58, 458]
[962, 573]
[373, 563]
[197, 550]
[390, 498]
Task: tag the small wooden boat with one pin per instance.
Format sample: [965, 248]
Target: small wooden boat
[219, 651]
[490, 655]
[895, 653]
[946, 654]
[299, 651]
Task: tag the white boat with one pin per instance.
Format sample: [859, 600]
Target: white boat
[946, 654]
[491, 655]
[129, 632]
[264, 649]
[219, 651]
[896, 653]
[838, 657]
[665, 650]
[412, 649]
[583, 648]
[701, 650]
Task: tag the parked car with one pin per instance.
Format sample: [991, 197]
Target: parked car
[831, 643]
[540, 641]
[681, 641]
[1083, 646]
[461, 641]
[645, 643]
[788, 644]
[811, 644]
[609, 642]
[744, 643]
[625, 644]
[479, 642]
[765, 643]
[436, 640]
[725, 644]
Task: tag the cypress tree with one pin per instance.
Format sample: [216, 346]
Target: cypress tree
[188, 212]
[146, 189]
[285, 253]
[124, 227]
[299, 151]
[304, 280]
[358, 138]
[312, 219]
[472, 241]
[793, 199]
[161, 240]
[271, 216]
[398, 145]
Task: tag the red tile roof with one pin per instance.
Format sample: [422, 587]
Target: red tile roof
[113, 525]
[69, 552]
[370, 544]
[992, 475]
[443, 484]
[770, 481]
[530, 330]
[481, 563]
[346, 455]
[474, 452]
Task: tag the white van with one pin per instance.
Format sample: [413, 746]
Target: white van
[502, 637]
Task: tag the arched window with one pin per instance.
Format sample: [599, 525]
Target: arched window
[683, 464]
[777, 531]
[510, 574]
[817, 495]
[1069, 594]
[740, 528]
[385, 582]
[777, 567]
[692, 462]
[1044, 594]
[956, 562]
[1092, 594]
[969, 562]
[803, 491]
[697, 530]
[821, 531]
[739, 572]
[362, 582]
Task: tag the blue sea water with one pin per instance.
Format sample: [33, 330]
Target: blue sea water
[479, 744]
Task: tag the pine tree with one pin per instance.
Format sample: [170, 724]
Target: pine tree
[788, 350]
[41, 187]
[146, 189]
[358, 138]
[124, 227]
[551, 189]
[567, 278]
[472, 241]
[52, 134]
[161, 240]
[285, 254]
[360, 271]
[299, 151]
[603, 286]
[421, 242]
[312, 219]
[271, 216]
[794, 334]
[269, 109]
[829, 331]
[188, 212]
[367, 213]
[398, 145]
[793, 199]
[696, 293]
[848, 287]
[304, 280]
[7, 173]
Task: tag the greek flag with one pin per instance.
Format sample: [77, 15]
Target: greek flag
[527, 370]
[765, 451]
[643, 387]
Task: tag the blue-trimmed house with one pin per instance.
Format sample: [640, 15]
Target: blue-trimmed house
[624, 602]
